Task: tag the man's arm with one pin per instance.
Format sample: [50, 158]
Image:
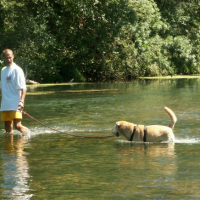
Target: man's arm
[21, 103]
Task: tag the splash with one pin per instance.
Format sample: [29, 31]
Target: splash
[187, 140]
[177, 141]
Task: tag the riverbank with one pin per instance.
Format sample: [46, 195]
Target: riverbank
[154, 77]
[171, 77]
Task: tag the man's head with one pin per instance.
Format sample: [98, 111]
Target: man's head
[8, 57]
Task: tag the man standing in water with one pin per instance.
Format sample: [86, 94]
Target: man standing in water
[13, 88]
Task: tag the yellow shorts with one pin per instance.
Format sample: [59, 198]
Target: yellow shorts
[10, 115]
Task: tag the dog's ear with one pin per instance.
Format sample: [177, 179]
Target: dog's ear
[118, 124]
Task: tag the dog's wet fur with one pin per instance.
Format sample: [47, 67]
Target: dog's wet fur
[154, 133]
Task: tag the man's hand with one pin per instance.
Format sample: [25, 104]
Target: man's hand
[20, 106]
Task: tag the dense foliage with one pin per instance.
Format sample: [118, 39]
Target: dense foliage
[92, 40]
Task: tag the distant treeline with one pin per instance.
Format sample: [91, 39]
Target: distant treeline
[99, 40]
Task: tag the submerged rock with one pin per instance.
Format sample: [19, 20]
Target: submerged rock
[31, 82]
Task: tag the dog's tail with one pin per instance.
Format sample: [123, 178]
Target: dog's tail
[172, 117]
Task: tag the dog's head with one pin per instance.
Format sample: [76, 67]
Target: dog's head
[123, 128]
[117, 128]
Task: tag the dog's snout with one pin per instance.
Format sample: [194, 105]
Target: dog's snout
[116, 133]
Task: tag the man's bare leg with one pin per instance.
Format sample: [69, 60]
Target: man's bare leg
[18, 125]
[9, 126]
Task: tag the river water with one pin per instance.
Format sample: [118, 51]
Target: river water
[52, 165]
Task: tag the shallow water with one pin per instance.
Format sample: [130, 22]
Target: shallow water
[52, 165]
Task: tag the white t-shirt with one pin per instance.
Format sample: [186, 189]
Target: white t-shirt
[12, 81]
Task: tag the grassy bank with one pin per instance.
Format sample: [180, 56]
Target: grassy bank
[171, 77]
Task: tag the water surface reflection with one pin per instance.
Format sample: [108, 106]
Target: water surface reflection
[51, 165]
[15, 169]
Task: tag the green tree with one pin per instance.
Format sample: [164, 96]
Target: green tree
[184, 19]
[56, 39]
[148, 35]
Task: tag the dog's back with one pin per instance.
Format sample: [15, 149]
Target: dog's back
[159, 133]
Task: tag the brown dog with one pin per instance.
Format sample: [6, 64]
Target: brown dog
[153, 133]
